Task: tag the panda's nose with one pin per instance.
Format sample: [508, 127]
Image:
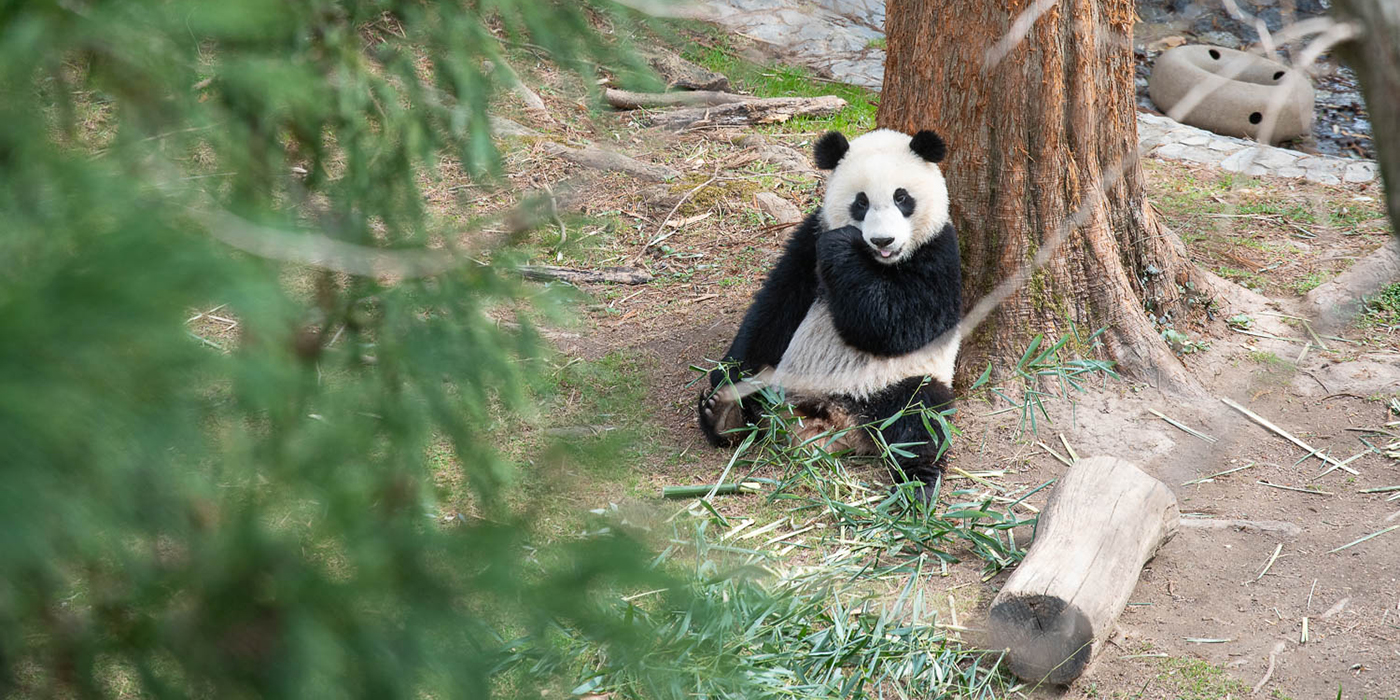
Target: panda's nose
[882, 242]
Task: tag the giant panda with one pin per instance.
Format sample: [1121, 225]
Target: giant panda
[859, 317]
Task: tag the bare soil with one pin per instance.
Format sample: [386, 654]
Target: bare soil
[1277, 236]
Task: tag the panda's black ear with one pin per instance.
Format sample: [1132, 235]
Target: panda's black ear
[829, 150]
[929, 146]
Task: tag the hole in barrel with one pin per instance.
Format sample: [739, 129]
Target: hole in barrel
[1278, 75]
[1255, 118]
[1215, 54]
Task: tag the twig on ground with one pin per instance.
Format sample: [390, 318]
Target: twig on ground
[607, 275]
[1280, 431]
[1183, 427]
[1212, 476]
[1314, 492]
[1273, 659]
[1268, 565]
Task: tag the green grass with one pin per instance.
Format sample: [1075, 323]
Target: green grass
[1268, 358]
[1244, 277]
[877, 43]
[767, 80]
[590, 430]
[1193, 679]
[1309, 283]
[1382, 311]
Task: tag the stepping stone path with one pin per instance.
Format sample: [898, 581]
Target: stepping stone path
[843, 39]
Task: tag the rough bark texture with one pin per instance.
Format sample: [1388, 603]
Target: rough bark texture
[1032, 138]
[1375, 56]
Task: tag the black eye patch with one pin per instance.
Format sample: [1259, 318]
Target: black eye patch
[860, 206]
[904, 201]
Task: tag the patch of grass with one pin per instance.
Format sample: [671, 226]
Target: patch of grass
[1307, 284]
[590, 430]
[878, 42]
[1193, 679]
[1382, 311]
[1268, 359]
[1246, 278]
[786, 81]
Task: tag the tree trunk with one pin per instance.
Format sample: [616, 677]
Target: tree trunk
[1375, 56]
[1042, 139]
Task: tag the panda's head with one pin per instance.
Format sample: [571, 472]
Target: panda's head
[888, 185]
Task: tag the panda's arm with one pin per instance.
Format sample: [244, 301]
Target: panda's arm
[779, 306]
[890, 310]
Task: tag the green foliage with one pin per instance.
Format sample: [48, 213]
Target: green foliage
[1382, 310]
[1193, 679]
[853, 621]
[786, 81]
[245, 516]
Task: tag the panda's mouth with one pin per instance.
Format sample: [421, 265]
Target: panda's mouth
[886, 254]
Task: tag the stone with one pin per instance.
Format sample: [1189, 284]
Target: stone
[1323, 177]
[1171, 150]
[1239, 160]
[783, 211]
[1290, 171]
[1225, 39]
[1274, 158]
[1360, 172]
[1196, 140]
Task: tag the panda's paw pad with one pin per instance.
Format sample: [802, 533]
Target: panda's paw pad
[723, 415]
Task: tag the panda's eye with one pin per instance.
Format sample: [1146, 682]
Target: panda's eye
[904, 201]
[860, 206]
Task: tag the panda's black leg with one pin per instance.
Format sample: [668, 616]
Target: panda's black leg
[926, 464]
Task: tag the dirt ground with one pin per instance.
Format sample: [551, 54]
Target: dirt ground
[1205, 584]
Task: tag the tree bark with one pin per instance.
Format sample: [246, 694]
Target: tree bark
[1375, 56]
[1042, 138]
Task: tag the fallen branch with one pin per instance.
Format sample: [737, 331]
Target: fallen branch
[607, 275]
[599, 159]
[770, 110]
[626, 99]
[1275, 526]
[590, 155]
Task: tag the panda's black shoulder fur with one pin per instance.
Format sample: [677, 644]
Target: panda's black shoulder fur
[890, 310]
[780, 304]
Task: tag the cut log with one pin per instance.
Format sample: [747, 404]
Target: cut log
[1105, 519]
[768, 110]
[607, 275]
[626, 99]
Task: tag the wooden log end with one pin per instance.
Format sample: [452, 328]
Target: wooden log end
[1049, 640]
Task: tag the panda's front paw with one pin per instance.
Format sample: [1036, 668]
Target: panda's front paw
[838, 243]
[719, 417]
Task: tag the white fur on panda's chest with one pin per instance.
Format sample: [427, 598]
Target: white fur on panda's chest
[817, 361]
